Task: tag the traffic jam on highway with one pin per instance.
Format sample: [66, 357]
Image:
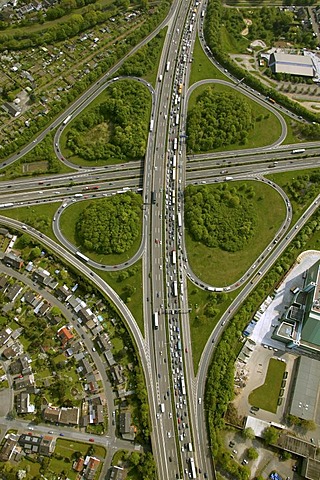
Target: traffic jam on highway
[173, 269]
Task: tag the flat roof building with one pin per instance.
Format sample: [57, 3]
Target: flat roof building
[304, 402]
[301, 65]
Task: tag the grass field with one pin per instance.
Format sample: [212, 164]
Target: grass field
[31, 214]
[201, 326]
[232, 45]
[202, 67]
[68, 221]
[135, 280]
[266, 396]
[284, 178]
[265, 132]
[208, 264]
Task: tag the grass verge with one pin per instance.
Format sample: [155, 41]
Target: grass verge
[266, 396]
[128, 285]
[202, 67]
[201, 323]
[37, 216]
[218, 267]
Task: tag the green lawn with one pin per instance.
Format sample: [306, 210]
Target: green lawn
[232, 45]
[202, 67]
[266, 396]
[68, 221]
[32, 214]
[283, 179]
[220, 268]
[202, 325]
[265, 132]
[134, 279]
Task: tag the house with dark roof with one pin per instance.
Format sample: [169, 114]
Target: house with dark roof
[24, 383]
[63, 293]
[69, 416]
[13, 292]
[117, 375]
[11, 108]
[13, 350]
[12, 260]
[44, 278]
[117, 473]
[3, 284]
[85, 315]
[32, 299]
[47, 445]
[5, 334]
[84, 367]
[30, 443]
[9, 447]
[51, 414]
[23, 405]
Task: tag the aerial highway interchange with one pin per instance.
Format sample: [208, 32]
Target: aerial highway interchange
[179, 439]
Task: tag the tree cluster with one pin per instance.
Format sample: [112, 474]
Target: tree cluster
[304, 187]
[125, 113]
[144, 60]
[110, 225]
[222, 217]
[218, 119]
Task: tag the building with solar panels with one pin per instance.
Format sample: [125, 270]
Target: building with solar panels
[301, 65]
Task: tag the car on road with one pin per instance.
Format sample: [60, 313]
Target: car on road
[91, 439]
[61, 434]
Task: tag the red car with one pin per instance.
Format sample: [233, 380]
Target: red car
[91, 439]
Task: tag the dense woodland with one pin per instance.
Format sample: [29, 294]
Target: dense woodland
[116, 128]
[221, 217]
[218, 119]
[110, 225]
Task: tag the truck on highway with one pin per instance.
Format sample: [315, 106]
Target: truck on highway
[153, 198]
[228, 179]
[299, 150]
[160, 78]
[156, 320]
[167, 66]
[66, 120]
[78, 195]
[162, 409]
[81, 256]
[151, 124]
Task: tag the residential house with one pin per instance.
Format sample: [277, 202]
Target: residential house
[69, 416]
[65, 335]
[47, 445]
[117, 375]
[103, 341]
[3, 284]
[92, 464]
[42, 308]
[11, 108]
[84, 367]
[32, 299]
[30, 443]
[13, 350]
[26, 382]
[109, 357]
[23, 403]
[12, 260]
[126, 429]
[13, 292]
[51, 414]
[85, 315]
[43, 277]
[63, 293]
[92, 384]
[117, 473]
[4, 336]
[9, 447]
[78, 465]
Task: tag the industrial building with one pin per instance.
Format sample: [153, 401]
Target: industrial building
[301, 65]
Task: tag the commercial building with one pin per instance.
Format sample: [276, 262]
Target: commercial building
[300, 325]
[292, 64]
